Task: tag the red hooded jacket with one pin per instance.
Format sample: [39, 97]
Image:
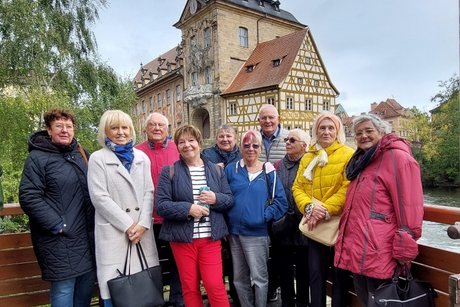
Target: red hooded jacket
[383, 213]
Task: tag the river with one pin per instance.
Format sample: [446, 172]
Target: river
[435, 234]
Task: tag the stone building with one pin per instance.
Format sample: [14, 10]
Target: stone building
[396, 115]
[236, 55]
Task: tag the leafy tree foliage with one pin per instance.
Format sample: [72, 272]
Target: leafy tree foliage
[48, 59]
[442, 157]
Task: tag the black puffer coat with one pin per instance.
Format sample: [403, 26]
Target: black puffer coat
[54, 191]
[287, 171]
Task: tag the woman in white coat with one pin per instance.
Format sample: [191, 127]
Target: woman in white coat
[121, 190]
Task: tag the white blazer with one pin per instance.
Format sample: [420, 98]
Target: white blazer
[121, 198]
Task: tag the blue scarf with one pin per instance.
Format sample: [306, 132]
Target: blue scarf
[124, 153]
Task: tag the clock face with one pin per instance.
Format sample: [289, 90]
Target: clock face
[193, 6]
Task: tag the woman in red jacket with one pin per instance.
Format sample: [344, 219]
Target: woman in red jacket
[383, 213]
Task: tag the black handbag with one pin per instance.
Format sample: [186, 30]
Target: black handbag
[403, 292]
[141, 289]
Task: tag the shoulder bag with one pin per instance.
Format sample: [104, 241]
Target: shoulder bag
[403, 292]
[141, 289]
[325, 232]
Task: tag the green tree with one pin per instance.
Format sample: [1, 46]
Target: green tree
[48, 58]
[47, 43]
[443, 156]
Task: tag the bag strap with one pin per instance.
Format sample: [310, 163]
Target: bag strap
[271, 196]
[141, 255]
[83, 153]
[127, 264]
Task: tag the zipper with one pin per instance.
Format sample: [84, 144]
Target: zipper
[382, 300]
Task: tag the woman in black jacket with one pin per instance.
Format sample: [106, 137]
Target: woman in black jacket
[54, 194]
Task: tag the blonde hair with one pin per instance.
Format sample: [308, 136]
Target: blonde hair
[337, 123]
[110, 118]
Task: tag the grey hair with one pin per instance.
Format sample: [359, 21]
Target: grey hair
[226, 127]
[146, 122]
[379, 124]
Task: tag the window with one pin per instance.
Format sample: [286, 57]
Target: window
[290, 103]
[250, 68]
[178, 93]
[244, 42]
[194, 78]
[168, 97]
[276, 62]
[160, 103]
[233, 109]
[143, 106]
[325, 105]
[308, 105]
[207, 37]
[308, 60]
[315, 82]
[208, 75]
[151, 103]
[271, 100]
[299, 80]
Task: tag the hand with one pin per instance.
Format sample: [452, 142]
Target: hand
[198, 211]
[312, 223]
[319, 212]
[220, 164]
[207, 197]
[135, 233]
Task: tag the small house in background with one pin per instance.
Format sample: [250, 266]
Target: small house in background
[395, 114]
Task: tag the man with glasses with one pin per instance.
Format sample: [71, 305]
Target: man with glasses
[273, 149]
[161, 152]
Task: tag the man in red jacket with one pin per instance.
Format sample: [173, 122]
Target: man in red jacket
[161, 152]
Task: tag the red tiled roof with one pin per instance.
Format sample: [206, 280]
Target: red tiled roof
[265, 74]
[152, 66]
[389, 108]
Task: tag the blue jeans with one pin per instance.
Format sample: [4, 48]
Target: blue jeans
[250, 256]
[76, 292]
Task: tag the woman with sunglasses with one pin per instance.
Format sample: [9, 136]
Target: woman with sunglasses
[258, 199]
[321, 176]
[293, 264]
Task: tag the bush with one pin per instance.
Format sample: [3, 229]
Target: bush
[13, 224]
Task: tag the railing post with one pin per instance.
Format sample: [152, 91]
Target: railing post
[454, 290]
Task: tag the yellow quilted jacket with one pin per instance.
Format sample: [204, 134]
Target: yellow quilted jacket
[329, 182]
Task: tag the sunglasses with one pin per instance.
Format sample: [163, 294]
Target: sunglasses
[291, 140]
[247, 146]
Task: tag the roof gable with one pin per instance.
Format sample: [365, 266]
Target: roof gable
[269, 64]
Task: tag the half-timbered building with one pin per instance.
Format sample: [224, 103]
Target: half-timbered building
[235, 56]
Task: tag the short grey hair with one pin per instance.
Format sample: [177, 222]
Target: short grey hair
[379, 124]
[146, 122]
[226, 127]
[111, 117]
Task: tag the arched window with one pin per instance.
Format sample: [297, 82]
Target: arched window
[244, 37]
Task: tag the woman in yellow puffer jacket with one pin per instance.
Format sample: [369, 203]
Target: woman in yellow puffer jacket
[321, 175]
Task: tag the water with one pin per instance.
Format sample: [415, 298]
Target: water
[435, 234]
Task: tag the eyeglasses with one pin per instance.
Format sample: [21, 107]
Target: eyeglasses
[291, 140]
[247, 146]
[157, 125]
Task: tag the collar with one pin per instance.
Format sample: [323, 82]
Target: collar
[273, 136]
[157, 145]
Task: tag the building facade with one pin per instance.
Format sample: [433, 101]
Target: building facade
[235, 56]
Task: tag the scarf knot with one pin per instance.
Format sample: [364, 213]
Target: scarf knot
[125, 153]
[320, 159]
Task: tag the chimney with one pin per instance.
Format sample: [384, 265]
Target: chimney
[373, 106]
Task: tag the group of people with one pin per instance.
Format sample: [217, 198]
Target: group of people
[241, 203]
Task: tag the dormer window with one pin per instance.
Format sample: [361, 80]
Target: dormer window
[276, 62]
[250, 68]
[261, 3]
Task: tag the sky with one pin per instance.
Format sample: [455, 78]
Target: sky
[372, 50]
